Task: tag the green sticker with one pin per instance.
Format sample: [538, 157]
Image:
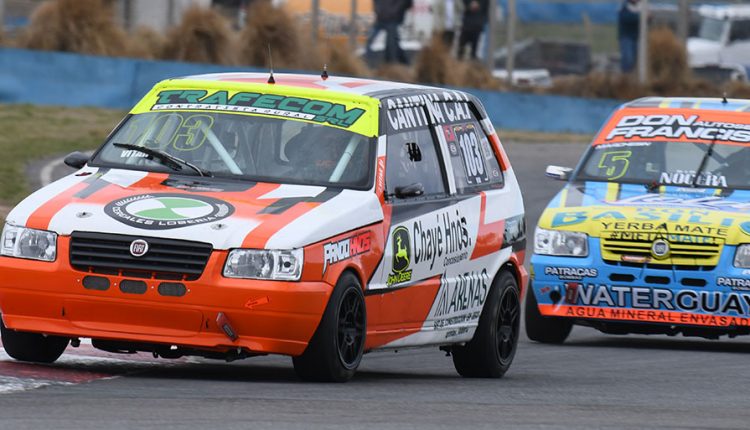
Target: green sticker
[265, 104]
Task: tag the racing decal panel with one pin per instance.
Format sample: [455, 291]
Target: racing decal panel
[454, 250]
[443, 249]
[674, 124]
[718, 297]
[458, 304]
[141, 203]
[354, 113]
[422, 245]
[629, 211]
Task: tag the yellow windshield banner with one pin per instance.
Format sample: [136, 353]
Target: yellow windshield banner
[358, 114]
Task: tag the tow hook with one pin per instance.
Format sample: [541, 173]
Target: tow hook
[223, 322]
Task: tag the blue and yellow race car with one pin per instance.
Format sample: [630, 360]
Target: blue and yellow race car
[651, 234]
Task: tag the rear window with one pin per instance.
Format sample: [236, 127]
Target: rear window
[473, 160]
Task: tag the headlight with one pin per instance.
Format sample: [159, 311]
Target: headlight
[560, 242]
[28, 243]
[742, 256]
[264, 264]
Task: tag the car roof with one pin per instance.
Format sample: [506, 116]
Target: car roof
[697, 103]
[337, 84]
[725, 11]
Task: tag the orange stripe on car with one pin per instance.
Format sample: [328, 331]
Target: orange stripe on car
[500, 152]
[409, 306]
[272, 223]
[489, 236]
[41, 217]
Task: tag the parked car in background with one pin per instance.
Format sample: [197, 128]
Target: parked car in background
[723, 37]
[557, 57]
[526, 78]
[722, 73]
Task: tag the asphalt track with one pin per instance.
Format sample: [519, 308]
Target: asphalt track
[592, 381]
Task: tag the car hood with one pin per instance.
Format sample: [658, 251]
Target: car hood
[225, 213]
[595, 207]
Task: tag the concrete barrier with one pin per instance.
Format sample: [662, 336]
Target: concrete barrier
[64, 79]
[545, 113]
[61, 78]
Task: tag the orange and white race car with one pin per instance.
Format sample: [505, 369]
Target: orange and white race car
[320, 218]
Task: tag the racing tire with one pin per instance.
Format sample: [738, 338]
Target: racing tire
[32, 347]
[336, 348]
[490, 352]
[540, 328]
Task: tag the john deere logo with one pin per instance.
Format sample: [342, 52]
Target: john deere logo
[401, 256]
[167, 211]
[660, 249]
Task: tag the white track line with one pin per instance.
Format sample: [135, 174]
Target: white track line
[74, 360]
[45, 174]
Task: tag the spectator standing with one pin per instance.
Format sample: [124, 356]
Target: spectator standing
[389, 15]
[377, 27]
[447, 13]
[628, 27]
[472, 25]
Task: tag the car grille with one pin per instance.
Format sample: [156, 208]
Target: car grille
[165, 259]
[686, 250]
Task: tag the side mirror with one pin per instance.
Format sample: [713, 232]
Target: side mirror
[76, 160]
[412, 190]
[558, 172]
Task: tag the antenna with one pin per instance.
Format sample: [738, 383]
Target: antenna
[271, 80]
[324, 73]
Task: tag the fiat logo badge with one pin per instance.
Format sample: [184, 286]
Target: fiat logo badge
[660, 248]
[138, 248]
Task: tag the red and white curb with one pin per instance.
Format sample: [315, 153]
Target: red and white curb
[76, 366]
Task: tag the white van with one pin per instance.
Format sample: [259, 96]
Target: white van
[724, 36]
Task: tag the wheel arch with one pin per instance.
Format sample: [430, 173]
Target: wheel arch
[357, 272]
[518, 274]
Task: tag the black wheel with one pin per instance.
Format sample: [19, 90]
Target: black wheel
[491, 351]
[544, 329]
[33, 347]
[336, 348]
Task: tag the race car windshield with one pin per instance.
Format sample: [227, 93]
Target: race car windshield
[243, 146]
[668, 163]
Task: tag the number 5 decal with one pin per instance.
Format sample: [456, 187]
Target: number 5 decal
[616, 163]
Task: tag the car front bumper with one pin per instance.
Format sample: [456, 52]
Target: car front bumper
[267, 316]
[591, 289]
